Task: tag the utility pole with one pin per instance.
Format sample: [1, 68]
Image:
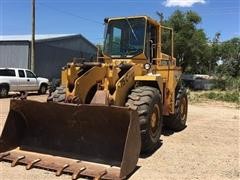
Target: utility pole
[33, 37]
[160, 16]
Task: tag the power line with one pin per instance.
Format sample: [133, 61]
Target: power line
[71, 14]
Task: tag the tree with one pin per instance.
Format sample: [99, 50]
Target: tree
[190, 42]
[195, 53]
[215, 56]
[230, 57]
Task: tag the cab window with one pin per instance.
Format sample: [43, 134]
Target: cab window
[151, 41]
[7, 72]
[125, 37]
[30, 74]
[21, 73]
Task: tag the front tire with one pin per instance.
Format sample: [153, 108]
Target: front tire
[58, 95]
[42, 89]
[148, 103]
[177, 121]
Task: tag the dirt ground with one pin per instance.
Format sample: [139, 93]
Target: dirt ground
[207, 149]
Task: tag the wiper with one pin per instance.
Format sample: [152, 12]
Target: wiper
[131, 29]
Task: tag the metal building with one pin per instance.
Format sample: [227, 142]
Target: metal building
[52, 52]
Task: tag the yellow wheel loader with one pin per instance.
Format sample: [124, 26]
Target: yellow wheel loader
[106, 112]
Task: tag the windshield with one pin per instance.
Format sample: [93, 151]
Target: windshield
[125, 37]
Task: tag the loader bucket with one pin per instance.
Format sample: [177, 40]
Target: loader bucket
[82, 140]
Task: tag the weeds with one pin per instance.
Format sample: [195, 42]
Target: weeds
[227, 96]
[227, 83]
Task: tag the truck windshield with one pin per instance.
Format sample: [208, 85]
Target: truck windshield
[125, 37]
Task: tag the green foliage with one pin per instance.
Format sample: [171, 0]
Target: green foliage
[226, 89]
[190, 42]
[227, 83]
[195, 53]
[227, 96]
[230, 55]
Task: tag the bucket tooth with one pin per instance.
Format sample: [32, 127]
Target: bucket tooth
[15, 161]
[4, 155]
[30, 165]
[77, 173]
[101, 174]
[60, 170]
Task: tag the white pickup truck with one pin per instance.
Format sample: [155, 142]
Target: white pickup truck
[15, 79]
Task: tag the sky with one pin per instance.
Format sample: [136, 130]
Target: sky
[86, 16]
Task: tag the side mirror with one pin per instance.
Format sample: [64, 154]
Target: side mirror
[151, 50]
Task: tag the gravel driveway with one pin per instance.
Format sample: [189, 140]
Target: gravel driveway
[207, 149]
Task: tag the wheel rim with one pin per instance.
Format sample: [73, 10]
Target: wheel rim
[183, 110]
[3, 92]
[154, 121]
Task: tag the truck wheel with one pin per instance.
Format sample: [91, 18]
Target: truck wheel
[177, 121]
[58, 95]
[42, 89]
[3, 91]
[147, 101]
[53, 85]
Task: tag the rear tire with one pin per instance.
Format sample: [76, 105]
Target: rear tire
[177, 121]
[4, 91]
[148, 103]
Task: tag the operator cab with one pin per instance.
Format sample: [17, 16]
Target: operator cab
[131, 37]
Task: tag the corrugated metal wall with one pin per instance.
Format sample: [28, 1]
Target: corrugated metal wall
[50, 60]
[76, 43]
[14, 54]
[52, 55]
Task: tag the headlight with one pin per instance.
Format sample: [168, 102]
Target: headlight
[147, 66]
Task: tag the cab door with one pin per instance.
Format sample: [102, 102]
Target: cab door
[31, 81]
[151, 42]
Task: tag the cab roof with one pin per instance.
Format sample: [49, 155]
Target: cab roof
[129, 17]
[11, 68]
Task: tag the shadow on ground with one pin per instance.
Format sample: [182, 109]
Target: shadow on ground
[136, 169]
[167, 132]
[150, 153]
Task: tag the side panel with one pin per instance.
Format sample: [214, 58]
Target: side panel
[14, 81]
[123, 86]
[171, 76]
[22, 81]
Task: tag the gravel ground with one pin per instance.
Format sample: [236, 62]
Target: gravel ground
[207, 149]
